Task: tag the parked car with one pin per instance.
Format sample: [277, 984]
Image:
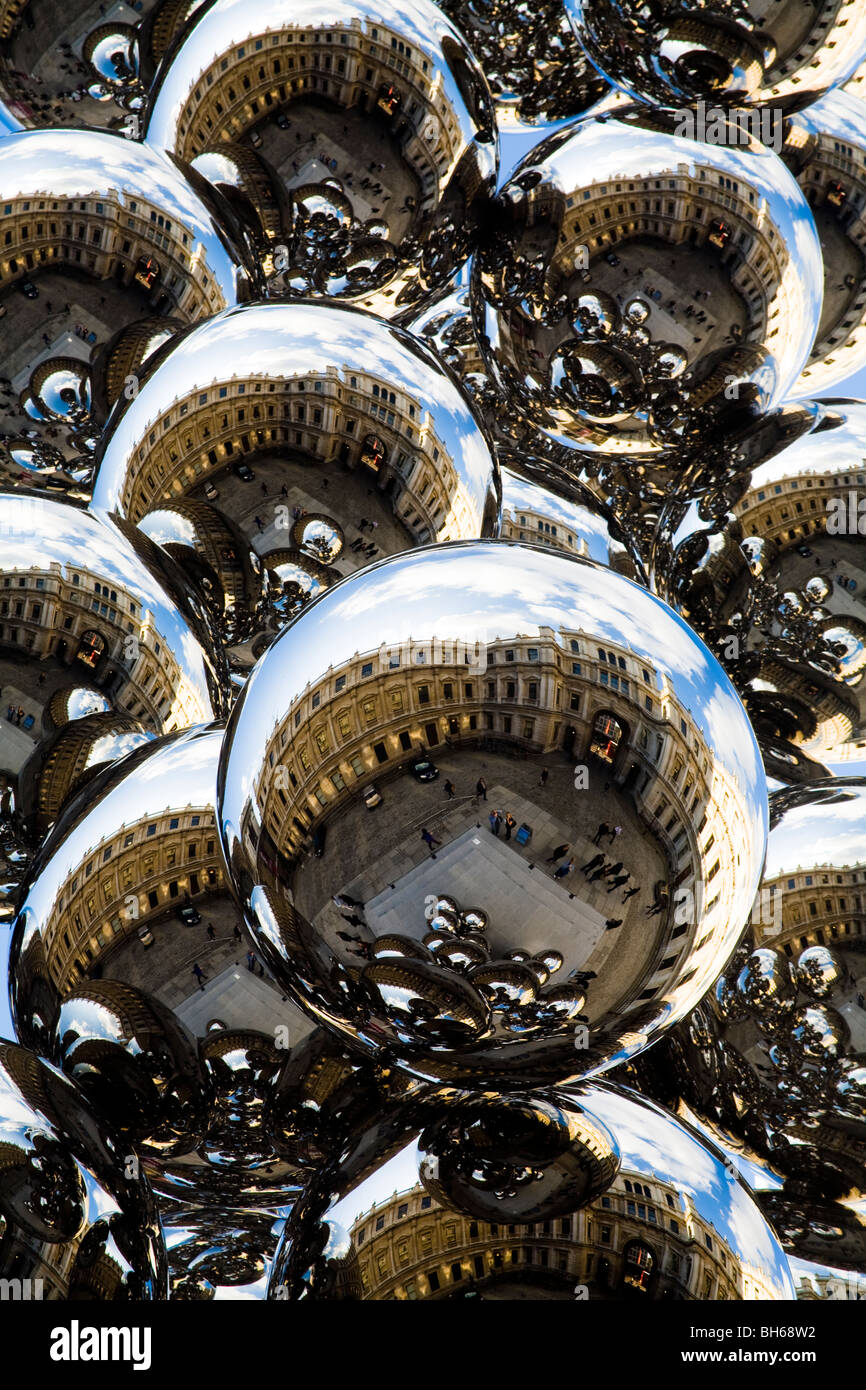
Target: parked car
[28, 289]
[244, 472]
[282, 120]
[423, 770]
[804, 551]
[189, 915]
[612, 258]
[145, 936]
[211, 492]
[255, 139]
[372, 796]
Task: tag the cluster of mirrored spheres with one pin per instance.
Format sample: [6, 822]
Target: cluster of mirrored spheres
[433, 650]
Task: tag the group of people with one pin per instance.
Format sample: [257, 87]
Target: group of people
[14, 715]
[352, 912]
[498, 818]
[598, 867]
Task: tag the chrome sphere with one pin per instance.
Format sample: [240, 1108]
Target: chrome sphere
[384, 233]
[825, 149]
[583, 729]
[333, 438]
[784, 1080]
[212, 549]
[88, 597]
[542, 506]
[217, 1254]
[78, 1218]
[528, 1156]
[780, 535]
[537, 71]
[700, 1235]
[76, 342]
[630, 331]
[730, 53]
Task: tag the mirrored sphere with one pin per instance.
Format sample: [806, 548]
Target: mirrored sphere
[784, 1076]
[631, 332]
[825, 149]
[88, 598]
[76, 1216]
[527, 733]
[86, 298]
[766, 569]
[216, 1253]
[709, 1240]
[305, 439]
[367, 188]
[666, 53]
[536, 69]
[544, 507]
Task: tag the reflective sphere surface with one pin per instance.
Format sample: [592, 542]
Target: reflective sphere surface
[708, 1239]
[521, 732]
[331, 438]
[773, 1059]
[766, 569]
[74, 1213]
[402, 85]
[107, 245]
[628, 320]
[88, 598]
[786, 54]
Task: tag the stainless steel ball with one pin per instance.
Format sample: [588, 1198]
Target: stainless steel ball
[675, 1221]
[741, 53]
[608, 812]
[395, 84]
[110, 247]
[79, 1219]
[641, 289]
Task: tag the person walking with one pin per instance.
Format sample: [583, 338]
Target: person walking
[481, 788]
[557, 854]
[237, 933]
[617, 830]
[582, 977]
[613, 922]
[629, 893]
[510, 823]
[251, 961]
[199, 975]
[594, 863]
[449, 789]
[618, 882]
[211, 933]
[603, 829]
[613, 869]
[656, 908]
[495, 821]
[429, 839]
[597, 875]
[564, 869]
[545, 773]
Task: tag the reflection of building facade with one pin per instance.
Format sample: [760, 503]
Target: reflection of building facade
[134, 876]
[682, 208]
[72, 615]
[821, 906]
[110, 236]
[641, 1237]
[559, 691]
[526, 524]
[835, 189]
[788, 509]
[352, 416]
[364, 65]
